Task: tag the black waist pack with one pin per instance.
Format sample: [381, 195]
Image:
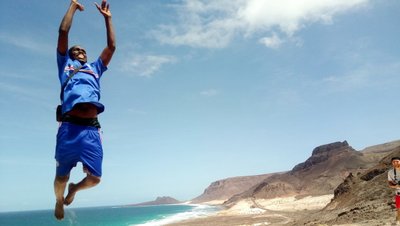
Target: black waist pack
[81, 121]
[59, 113]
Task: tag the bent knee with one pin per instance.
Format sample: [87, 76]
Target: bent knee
[97, 180]
[62, 179]
[94, 180]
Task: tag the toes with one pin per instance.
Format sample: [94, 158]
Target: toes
[71, 193]
[59, 211]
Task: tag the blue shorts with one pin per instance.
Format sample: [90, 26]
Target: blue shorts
[76, 143]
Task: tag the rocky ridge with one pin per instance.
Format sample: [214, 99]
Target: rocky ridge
[320, 174]
[362, 198]
[221, 190]
[164, 200]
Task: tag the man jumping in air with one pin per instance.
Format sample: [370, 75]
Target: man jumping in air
[78, 137]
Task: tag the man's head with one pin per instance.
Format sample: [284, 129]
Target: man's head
[78, 53]
[396, 162]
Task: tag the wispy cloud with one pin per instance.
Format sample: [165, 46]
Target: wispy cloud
[213, 24]
[273, 42]
[146, 65]
[16, 90]
[366, 76]
[26, 42]
[209, 92]
[136, 111]
[26, 93]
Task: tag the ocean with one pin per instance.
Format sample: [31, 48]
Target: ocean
[108, 216]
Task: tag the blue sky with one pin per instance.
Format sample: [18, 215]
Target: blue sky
[198, 91]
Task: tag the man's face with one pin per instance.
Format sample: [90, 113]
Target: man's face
[78, 53]
[396, 163]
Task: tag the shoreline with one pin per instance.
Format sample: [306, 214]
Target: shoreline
[199, 211]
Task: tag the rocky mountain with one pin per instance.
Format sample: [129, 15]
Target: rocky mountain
[356, 178]
[320, 174]
[363, 198]
[382, 148]
[221, 190]
[159, 201]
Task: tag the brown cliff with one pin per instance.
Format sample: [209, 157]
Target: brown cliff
[363, 198]
[320, 174]
[222, 190]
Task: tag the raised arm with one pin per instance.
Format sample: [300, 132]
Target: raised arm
[62, 45]
[108, 52]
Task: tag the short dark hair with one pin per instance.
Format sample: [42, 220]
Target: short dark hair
[70, 50]
[395, 158]
[73, 47]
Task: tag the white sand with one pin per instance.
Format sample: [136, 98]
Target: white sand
[243, 207]
[293, 204]
[214, 202]
[288, 204]
[257, 212]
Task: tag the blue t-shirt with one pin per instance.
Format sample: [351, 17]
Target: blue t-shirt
[84, 86]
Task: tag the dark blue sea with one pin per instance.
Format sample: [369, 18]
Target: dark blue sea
[108, 216]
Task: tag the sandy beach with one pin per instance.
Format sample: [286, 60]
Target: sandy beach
[290, 211]
[277, 211]
[250, 212]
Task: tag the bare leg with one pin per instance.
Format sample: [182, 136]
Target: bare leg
[60, 183]
[87, 182]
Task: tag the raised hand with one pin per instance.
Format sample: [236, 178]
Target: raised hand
[78, 5]
[104, 9]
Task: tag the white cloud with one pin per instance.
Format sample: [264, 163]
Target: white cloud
[209, 92]
[213, 24]
[146, 65]
[273, 42]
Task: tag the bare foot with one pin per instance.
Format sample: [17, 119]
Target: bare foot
[71, 194]
[59, 210]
